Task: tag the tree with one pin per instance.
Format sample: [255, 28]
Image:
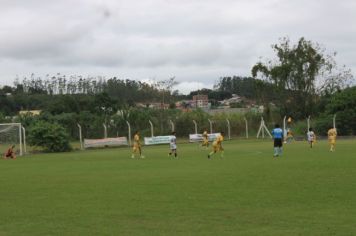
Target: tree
[295, 73]
[104, 104]
[219, 94]
[50, 136]
[165, 86]
[7, 105]
[63, 104]
[6, 89]
[336, 80]
[343, 104]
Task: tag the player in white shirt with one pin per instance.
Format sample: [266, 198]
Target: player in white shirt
[173, 145]
[311, 137]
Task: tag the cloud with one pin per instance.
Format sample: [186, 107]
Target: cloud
[186, 87]
[195, 41]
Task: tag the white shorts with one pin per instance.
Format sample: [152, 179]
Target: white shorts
[173, 146]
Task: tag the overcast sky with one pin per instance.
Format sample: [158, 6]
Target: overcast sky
[197, 41]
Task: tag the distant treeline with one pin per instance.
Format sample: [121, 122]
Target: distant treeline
[60, 84]
[247, 87]
[60, 93]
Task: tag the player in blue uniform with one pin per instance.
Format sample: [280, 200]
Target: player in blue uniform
[277, 133]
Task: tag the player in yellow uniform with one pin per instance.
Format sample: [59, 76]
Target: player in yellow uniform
[289, 136]
[332, 138]
[137, 145]
[205, 142]
[217, 145]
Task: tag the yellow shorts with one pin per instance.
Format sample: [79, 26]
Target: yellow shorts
[205, 142]
[217, 147]
[332, 141]
[136, 147]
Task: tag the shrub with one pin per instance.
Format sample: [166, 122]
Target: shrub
[50, 136]
[323, 124]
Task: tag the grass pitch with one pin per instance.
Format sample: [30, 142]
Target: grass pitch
[248, 192]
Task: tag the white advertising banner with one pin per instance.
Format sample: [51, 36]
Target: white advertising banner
[105, 142]
[199, 137]
[157, 140]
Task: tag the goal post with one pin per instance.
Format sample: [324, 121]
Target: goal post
[12, 134]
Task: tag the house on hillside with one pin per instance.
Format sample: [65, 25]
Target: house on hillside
[235, 99]
[200, 101]
[159, 105]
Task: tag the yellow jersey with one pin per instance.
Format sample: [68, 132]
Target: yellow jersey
[219, 139]
[332, 134]
[137, 140]
[217, 144]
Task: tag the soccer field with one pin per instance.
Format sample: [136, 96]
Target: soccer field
[248, 192]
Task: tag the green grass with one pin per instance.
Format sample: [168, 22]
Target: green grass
[105, 192]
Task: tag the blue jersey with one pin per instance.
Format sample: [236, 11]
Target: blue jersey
[277, 133]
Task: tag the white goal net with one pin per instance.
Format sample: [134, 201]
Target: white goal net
[12, 134]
